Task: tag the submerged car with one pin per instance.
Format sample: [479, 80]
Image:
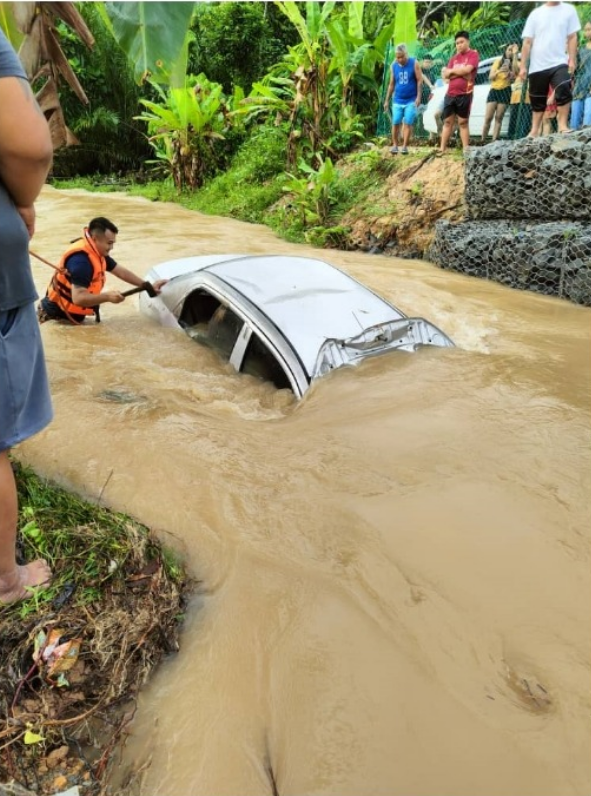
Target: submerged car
[285, 319]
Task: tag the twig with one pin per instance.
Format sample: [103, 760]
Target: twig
[99, 769]
[21, 684]
[445, 209]
[100, 497]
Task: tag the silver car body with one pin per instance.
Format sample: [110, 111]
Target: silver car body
[299, 312]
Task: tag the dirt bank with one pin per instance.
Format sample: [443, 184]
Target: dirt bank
[420, 189]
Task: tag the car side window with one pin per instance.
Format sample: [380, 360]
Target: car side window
[206, 319]
[260, 362]
[223, 330]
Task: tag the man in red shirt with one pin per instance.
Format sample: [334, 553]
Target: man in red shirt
[460, 72]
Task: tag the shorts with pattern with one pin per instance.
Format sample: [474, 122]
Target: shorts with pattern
[25, 403]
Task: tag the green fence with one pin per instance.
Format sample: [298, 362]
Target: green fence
[434, 54]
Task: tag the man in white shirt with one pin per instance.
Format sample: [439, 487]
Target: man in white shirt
[550, 47]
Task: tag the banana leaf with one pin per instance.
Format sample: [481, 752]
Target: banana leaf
[405, 26]
[153, 36]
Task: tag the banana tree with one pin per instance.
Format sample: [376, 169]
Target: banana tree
[184, 127]
[31, 27]
[154, 36]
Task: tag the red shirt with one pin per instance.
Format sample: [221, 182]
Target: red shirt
[464, 84]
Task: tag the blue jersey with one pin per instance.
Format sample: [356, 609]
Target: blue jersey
[405, 82]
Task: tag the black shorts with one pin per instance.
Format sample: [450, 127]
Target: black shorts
[500, 95]
[457, 106]
[539, 84]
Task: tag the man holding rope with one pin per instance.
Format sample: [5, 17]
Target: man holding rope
[76, 289]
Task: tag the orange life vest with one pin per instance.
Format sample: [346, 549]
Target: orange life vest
[60, 287]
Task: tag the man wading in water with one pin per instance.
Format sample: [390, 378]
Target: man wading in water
[76, 290]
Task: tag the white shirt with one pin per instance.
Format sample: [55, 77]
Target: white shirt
[549, 27]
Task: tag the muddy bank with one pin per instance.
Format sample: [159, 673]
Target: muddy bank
[74, 656]
[401, 219]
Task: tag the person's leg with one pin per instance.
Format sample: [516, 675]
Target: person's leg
[587, 112]
[410, 117]
[464, 132]
[576, 113]
[499, 115]
[539, 83]
[561, 83]
[563, 114]
[397, 114]
[15, 581]
[406, 131]
[513, 111]
[448, 117]
[488, 117]
[536, 123]
[25, 409]
[448, 125]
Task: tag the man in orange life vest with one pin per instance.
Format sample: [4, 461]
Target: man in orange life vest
[76, 290]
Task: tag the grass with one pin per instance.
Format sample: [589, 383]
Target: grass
[251, 189]
[113, 609]
[84, 544]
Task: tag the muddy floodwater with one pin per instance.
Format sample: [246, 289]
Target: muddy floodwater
[394, 574]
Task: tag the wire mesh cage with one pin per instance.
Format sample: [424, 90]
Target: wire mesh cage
[529, 217]
[536, 178]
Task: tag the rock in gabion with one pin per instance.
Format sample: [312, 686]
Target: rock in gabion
[553, 258]
[529, 217]
[546, 178]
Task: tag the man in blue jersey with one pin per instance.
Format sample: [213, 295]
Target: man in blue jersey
[406, 83]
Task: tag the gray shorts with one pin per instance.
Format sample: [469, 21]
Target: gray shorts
[25, 403]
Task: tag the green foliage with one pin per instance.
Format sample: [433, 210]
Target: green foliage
[485, 15]
[85, 545]
[235, 44]
[405, 26]
[324, 88]
[184, 127]
[8, 25]
[110, 140]
[262, 156]
[311, 191]
[154, 40]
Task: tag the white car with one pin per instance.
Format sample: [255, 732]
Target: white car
[288, 320]
[477, 113]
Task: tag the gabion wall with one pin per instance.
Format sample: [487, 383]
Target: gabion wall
[552, 258]
[528, 216]
[546, 178]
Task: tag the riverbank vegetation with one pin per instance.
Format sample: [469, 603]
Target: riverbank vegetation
[73, 657]
[274, 117]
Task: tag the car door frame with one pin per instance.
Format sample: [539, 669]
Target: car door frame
[254, 322]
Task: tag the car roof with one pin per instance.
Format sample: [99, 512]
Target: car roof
[307, 299]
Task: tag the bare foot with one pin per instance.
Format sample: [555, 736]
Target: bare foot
[17, 586]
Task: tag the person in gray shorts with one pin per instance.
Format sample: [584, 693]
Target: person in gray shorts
[25, 404]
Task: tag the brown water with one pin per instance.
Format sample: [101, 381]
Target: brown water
[395, 581]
